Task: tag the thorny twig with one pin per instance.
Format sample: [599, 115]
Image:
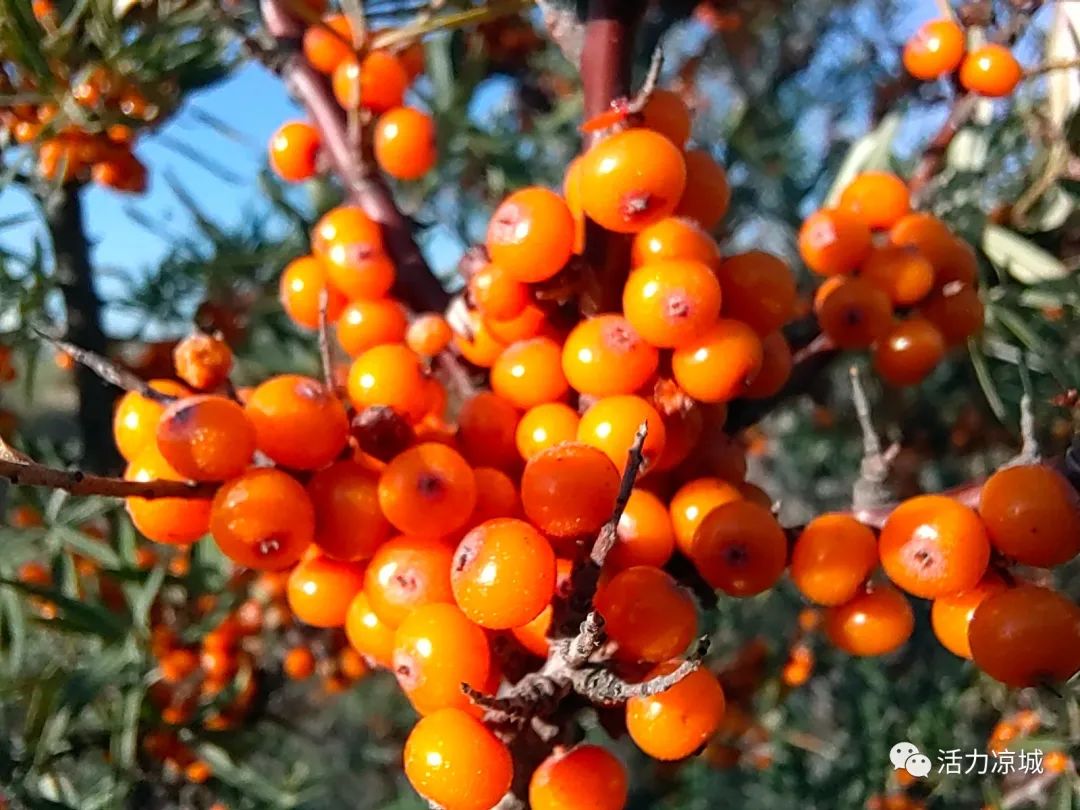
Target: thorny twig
[109, 371]
[870, 490]
[325, 350]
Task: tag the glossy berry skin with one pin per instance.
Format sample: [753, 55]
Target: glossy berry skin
[545, 426]
[587, 777]
[1032, 514]
[529, 373]
[452, 759]
[389, 375]
[610, 425]
[951, 615]
[136, 418]
[832, 559]
[436, 650]
[855, 313]
[344, 231]
[294, 150]
[720, 363]
[671, 303]
[692, 502]
[378, 83]
[366, 632]
[301, 286]
[531, 234]
[428, 489]
[759, 289]
[776, 365]
[496, 496]
[675, 238]
[708, 193]
[325, 50]
[739, 548]
[901, 272]
[604, 356]
[365, 323]
[349, 524]
[1026, 636]
[263, 519]
[202, 361]
[932, 545]
[206, 438]
[834, 242]
[647, 614]
[677, 722]
[644, 534]
[956, 311]
[876, 622]
[298, 423]
[405, 143]
[879, 199]
[320, 590]
[176, 521]
[495, 293]
[533, 635]
[503, 574]
[665, 112]
[299, 664]
[909, 352]
[407, 572]
[631, 180]
[935, 50]
[428, 335]
[569, 490]
[991, 71]
[487, 428]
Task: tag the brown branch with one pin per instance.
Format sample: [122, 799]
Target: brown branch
[870, 488]
[107, 370]
[77, 482]
[603, 686]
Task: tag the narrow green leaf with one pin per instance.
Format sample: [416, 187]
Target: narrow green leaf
[74, 615]
[1020, 258]
[986, 381]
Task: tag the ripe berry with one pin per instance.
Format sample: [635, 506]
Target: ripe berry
[302, 283]
[880, 199]
[324, 49]
[956, 311]
[294, 150]
[530, 323]
[428, 490]
[909, 352]
[834, 242]
[531, 234]
[496, 496]
[901, 272]
[136, 419]
[487, 426]
[832, 559]
[366, 632]
[951, 614]
[344, 230]
[569, 490]
[631, 180]
[176, 521]
[202, 361]
[665, 112]
[545, 426]
[677, 722]
[647, 614]
[991, 70]
[759, 289]
[428, 335]
[739, 548]
[405, 143]
[389, 375]
[610, 425]
[480, 347]
[452, 759]
[378, 83]
[718, 365]
[693, 502]
[645, 535]
[321, 589]
[586, 776]
[263, 520]
[932, 545]
[776, 365]
[533, 636]
[407, 572]
[503, 574]
[298, 423]
[675, 238]
[671, 303]
[708, 193]
[529, 373]
[855, 313]
[604, 356]
[299, 663]
[496, 294]
[935, 50]
[206, 438]
[1032, 514]
[349, 525]
[875, 622]
[366, 323]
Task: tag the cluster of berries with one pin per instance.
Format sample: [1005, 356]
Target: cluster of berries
[939, 48]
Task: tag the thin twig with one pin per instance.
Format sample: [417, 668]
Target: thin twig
[325, 351]
[652, 78]
[107, 370]
[79, 483]
[601, 685]
[870, 490]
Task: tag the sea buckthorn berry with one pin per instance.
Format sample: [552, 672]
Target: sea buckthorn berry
[604, 356]
[263, 519]
[302, 283]
[529, 373]
[487, 426]
[496, 294]
[531, 235]
[206, 438]
[834, 242]
[952, 258]
[349, 524]
[708, 193]
[665, 112]
[586, 776]
[631, 180]
[176, 521]
[719, 364]
[644, 535]
[202, 361]
[452, 759]
[405, 143]
[610, 425]
[739, 548]
[503, 574]
[932, 545]
[480, 347]
[759, 289]
[428, 489]
[378, 83]
[530, 323]
[951, 614]
[682, 429]
[957, 312]
[326, 49]
[990, 70]
[855, 314]
[407, 572]
[675, 238]
[366, 323]
[436, 650]
[298, 423]
[776, 365]
[832, 559]
[1032, 514]
[693, 502]
[496, 496]
[360, 271]
[647, 614]
[298, 663]
[671, 303]
[1026, 636]
[956, 262]
[348, 229]
[321, 589]
[909, 352]
[678, 721]
[901, 272]
[546, 426]
[533, 636]
[366, 632]
[935, 50]
[136, 419]
[389, 375]
[294, 150]
[876, 622]
[880, 199]
[428, 335]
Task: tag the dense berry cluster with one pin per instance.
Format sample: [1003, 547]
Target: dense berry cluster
[939, 48]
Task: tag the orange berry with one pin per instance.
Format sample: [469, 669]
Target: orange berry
[909, 352]
[349, 524]
[671, 303]
[759, 289]
[302, 283]
[901, 272]
[202, 361]
[531, 234]
[487, 425]
[496, 294]
[645, 534]
[321, 589]
[956, 311]
[932, 545]
[298, 423]
[405, 143]
[834, 242]
[876, 622]
[378, 83]
[436, 650]
[529, 323]
[682, 430]
[720, 363]
[1032, 515]
[343, 230]
[326, 49]
[480, 347]
[299, 663]
[367, 634]
[428, 489]
[529, 373]
[611, 423]
[677, 722]
[569, 490]
[739, 548]
[428, 335]
[879, 199]
[708, 193]
[693, 502]
[389, 375]
[533, 636]
[496, 496]
[776, 365]
[1026, 636]
[177, 665]
[206, 438]
[407, 572]
[604, 356]
[855, 314]
[675, 238]
[503, 574]
[294, 151]
[545, 426]
[951, 614]
[1056, 762]
[631, 180]
[453, 760]
[136, 419]
[647, 614]
[365, 323]
[990, 70]
[832, 559]
[935, 50]
[665, 112]
[262, 520]
[198, 772]
[586, 776]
